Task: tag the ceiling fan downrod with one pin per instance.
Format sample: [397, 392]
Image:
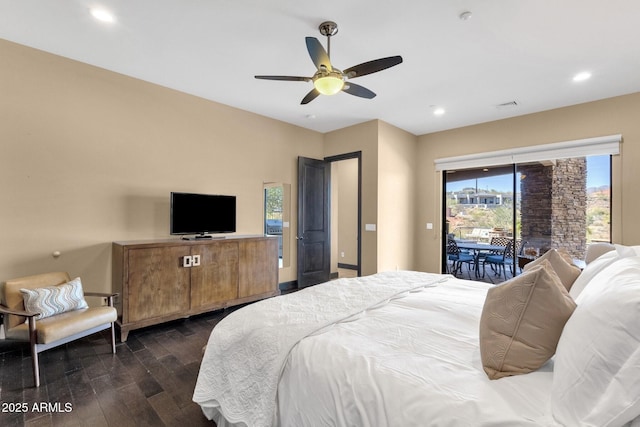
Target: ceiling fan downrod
[328, 28]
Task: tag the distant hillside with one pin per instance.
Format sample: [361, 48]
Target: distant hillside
[598, 189]
[598, 213]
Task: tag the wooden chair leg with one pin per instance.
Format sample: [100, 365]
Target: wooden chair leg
[34, 351]
[36, 368]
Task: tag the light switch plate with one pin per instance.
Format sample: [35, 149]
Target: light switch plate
[370, 227]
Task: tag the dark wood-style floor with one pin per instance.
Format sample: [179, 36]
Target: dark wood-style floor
[148, 382]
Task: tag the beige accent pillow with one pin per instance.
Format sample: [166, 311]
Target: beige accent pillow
[561, 263]
[522, 320]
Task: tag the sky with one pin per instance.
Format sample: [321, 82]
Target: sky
[598, 174]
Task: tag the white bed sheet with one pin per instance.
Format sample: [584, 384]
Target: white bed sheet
[247, 350]
[413, 361]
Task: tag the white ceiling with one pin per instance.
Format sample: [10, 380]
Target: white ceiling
[509, 50]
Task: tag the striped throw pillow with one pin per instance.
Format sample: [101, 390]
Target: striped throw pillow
[54, 300]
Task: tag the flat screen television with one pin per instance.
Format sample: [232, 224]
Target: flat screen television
[201, 214]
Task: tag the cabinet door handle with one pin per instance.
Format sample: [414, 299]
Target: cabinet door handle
[187, 261]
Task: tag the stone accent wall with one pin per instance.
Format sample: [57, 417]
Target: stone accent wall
[535, 206]
[554, 206]
[569, 206]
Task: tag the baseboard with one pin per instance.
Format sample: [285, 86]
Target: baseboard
[348, 266]
[288, 286]
[293, 285]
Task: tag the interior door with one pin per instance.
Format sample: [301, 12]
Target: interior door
[314, 246]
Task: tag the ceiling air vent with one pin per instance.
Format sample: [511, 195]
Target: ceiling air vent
[507, 105]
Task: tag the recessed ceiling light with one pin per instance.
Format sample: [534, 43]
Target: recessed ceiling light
[438, 111]
[102, 15]
[465, 16]
[580, 77]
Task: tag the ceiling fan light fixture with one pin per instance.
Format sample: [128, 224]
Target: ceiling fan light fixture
[329, 84]
[329, 80]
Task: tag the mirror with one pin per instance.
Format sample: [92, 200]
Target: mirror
[277, 209]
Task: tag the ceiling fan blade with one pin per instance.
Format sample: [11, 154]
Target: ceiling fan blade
[357, 90]
[372, 66]
[310, 96]
[317, 53]
[287, 78]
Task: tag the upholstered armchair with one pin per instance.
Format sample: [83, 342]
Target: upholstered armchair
[49, 310]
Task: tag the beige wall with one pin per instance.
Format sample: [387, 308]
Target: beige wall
[607, 117]
[396, 198]
[89, 157]
[364, 138]
[388, 191]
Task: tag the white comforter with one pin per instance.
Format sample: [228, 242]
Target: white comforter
[410, 359]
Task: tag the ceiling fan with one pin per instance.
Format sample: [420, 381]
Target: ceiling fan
[329, 80]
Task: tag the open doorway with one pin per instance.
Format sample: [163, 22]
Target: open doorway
[345, 261]
[319, 245]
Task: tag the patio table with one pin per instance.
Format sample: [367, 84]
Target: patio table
[477, 249]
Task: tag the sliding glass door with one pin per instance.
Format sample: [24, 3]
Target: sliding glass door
[480, 203]
[557, 203]
[480, 207]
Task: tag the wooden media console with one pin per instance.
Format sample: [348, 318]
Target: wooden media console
[163, 280]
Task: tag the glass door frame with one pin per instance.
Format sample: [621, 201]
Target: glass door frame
[517, 198]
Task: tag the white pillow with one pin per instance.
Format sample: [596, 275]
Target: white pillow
[597, 361]
[598, 265]
[594, 250]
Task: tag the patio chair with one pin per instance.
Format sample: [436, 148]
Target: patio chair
[499, 262]
[458, 258]
[495, 241]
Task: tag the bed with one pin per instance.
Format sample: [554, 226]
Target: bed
[415, 349]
